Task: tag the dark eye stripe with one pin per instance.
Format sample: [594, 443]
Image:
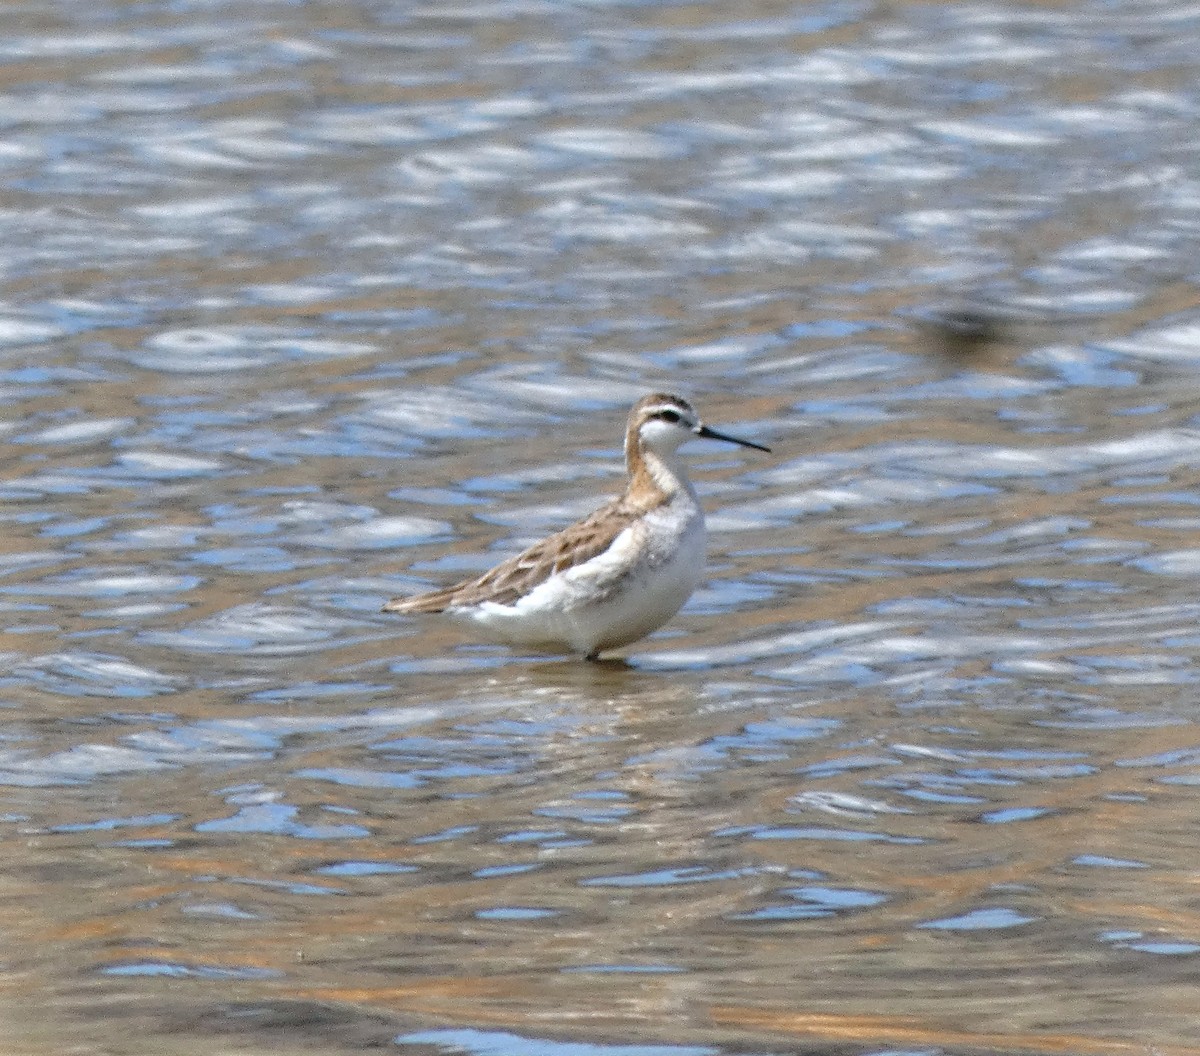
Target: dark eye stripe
[669, 416]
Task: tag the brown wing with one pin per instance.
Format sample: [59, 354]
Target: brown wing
[518, 575]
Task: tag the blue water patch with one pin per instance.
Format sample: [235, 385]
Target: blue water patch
[817, 832]
[224, 910]
[446, 834]
[981, 920]
[291, 887]
[1137, 940]
[505, 870]
[664, 877]
[847, 764]
[926, 795]
[779, 913]
[117, 823]
[533, 836]
[516, 913]
[837, 898]
[361, 778]
[473, 1042]
[1165, 948]
[905, 1052]
[277, 818]
[365, 869]
[1011, 814]
[189, 971]
[1100, 861]
[814, 902]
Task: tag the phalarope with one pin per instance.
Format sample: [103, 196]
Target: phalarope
[613, 577]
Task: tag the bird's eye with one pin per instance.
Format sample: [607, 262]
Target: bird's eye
[669, 416]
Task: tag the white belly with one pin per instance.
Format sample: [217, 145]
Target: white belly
[622, 595]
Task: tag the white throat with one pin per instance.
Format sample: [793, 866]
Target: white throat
[667, 471]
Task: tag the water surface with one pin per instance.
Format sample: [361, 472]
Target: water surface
[306, 306]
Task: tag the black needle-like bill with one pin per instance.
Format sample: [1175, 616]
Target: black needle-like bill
[712, 434]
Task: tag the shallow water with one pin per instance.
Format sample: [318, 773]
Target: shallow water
[305, 306]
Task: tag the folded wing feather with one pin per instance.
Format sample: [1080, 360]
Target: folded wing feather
[517, 576]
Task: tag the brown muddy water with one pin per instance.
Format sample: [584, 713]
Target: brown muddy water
[307, 305]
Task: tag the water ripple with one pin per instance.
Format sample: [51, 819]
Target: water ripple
[92, 674]
[306, 305]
